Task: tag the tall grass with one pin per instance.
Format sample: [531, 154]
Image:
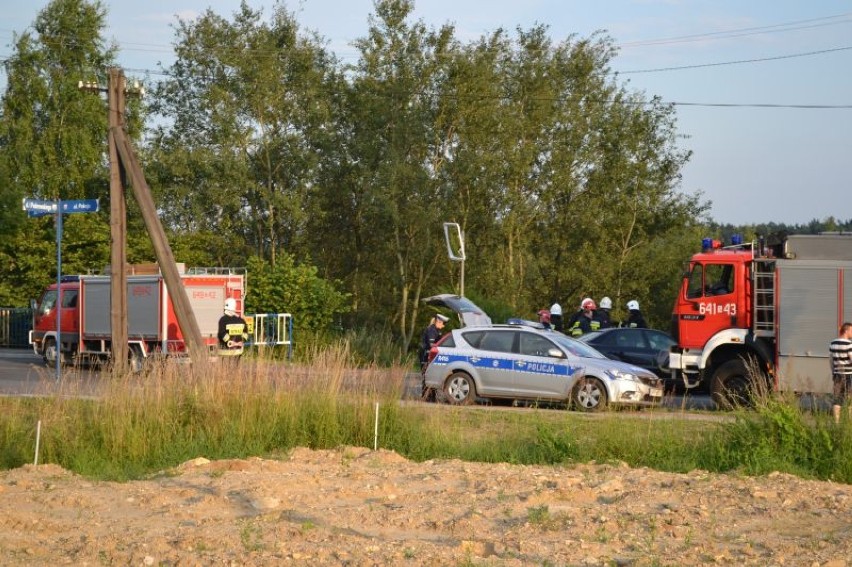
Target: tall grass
[149, 422]
[778, 434]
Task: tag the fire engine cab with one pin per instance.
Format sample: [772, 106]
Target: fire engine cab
[758, 314]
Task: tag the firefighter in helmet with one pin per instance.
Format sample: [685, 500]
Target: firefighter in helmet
[233, 330]
[556, 316]
[585, 322]
[544, 317]
[635, 320]
[603, 313]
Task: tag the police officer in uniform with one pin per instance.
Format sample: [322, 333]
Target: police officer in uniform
[430, 336]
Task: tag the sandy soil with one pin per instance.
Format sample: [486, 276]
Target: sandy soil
[354, 506]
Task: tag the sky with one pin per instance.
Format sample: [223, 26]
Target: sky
[763, 88]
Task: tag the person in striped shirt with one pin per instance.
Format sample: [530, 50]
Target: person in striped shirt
[840, 350]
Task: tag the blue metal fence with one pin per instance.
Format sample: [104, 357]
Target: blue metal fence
[15, 326]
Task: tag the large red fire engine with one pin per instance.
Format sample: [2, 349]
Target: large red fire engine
[152, 326]
[764, 310]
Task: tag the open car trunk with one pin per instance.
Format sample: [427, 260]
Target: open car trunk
[470, 314]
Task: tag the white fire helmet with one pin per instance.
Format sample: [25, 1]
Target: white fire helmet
[231, 304]
[633, 305]
[588, 303]
[606, 303]
[556, 309]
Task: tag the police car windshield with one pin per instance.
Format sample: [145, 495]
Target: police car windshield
[576, 347]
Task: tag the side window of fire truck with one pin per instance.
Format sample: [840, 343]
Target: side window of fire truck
[47, 302]
[719, 278]
[69, 298]
[696, 282]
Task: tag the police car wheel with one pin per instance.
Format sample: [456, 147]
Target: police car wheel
[459, 389]
[589, 395]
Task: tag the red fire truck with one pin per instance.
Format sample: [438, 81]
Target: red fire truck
[152, 327]
[765, 311]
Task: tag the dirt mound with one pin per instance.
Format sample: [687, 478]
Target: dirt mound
[362, 507]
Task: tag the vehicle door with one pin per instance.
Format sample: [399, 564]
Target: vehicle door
[537, 373]
[70, 320]
[45, 315]
[493, 357]
[712, 294]
[630, 345]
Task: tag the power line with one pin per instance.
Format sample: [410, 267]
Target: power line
[737, 62]
[764, 105]
[144, 71]
[741, 32]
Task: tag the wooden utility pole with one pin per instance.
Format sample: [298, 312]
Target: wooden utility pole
[122, 158]
[117, 222]
[142, 193]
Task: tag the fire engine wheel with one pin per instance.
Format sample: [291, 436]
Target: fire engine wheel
[50, 353]
[589, 395]
[459, 389]
[731, 386]
[135, 359]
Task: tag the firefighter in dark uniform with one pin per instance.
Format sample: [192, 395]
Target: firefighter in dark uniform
[635, 320]
[233, 331]
[603, 313]
[556, 316]
[544, 317]
[585, 322]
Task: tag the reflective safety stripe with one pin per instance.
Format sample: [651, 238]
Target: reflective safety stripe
[533, 367]
[235, 329]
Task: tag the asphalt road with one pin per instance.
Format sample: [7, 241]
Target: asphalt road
[22, 373]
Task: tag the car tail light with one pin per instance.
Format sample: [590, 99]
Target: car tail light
[433, 352]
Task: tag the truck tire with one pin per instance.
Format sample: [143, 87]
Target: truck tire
[135, 360]
[50, 352]
[731, 386]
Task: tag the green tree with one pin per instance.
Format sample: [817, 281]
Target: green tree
[391, 174]
[231, 163]
[53, 145]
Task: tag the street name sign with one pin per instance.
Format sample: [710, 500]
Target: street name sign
[40, 208]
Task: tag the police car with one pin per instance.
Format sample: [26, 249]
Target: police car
[529, 362]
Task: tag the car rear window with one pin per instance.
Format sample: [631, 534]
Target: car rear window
[447, 340]
[493, 340]
[474, 338]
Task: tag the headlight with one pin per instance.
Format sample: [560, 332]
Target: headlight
[617, 374]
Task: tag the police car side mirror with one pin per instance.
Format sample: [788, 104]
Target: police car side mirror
[33, 304]
[555, 353]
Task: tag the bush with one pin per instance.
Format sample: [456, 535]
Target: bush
[313, 302]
